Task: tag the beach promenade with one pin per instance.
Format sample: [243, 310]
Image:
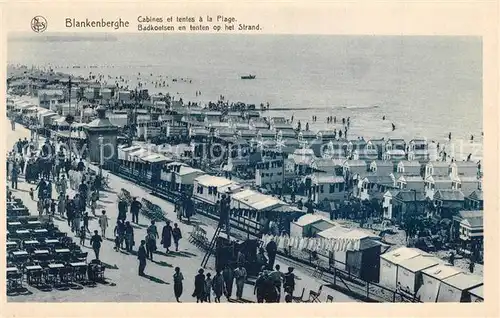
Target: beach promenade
[124, 284]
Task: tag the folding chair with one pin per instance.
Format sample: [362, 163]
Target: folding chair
[329, 299]
[314, 296]
[299, 299]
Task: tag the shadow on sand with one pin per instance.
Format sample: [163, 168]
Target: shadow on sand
[155, 279]
[162, 263]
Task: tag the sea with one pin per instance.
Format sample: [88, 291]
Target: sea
[427, 86]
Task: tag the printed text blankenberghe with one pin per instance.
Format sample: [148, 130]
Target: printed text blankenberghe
[115, 24]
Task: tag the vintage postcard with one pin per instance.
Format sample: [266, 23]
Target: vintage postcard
[314, 157]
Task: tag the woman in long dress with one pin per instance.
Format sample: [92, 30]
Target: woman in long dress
[218, 286]
[166, 236]
[178, 278]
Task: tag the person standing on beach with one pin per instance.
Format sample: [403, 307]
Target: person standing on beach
[142, 257]
[166, 236]
[176, 235]
[199, 286]
[95, 242]
[103, 223]
[178, 278]
[241, 276]
[135, 207]
[228, 275]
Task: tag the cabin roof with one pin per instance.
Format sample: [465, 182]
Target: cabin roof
[384, 180]
[307, 219]
[463, 214]
[408, 163]
[212, 181]
[464, 164]
[342, 232]
[402, 253]
[449, 195]
[420, 262]
[463, 281]
[476, 222]
[466, 179]
[355, 163]
[477, 291]
[441, 271]
[476, 195]
[439, 164]
[409, 196]
[322, 179]
[412, 178]
[382, 163]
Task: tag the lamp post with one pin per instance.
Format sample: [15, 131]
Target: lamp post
[101, 155]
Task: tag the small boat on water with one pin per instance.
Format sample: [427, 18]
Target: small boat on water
[245, 77]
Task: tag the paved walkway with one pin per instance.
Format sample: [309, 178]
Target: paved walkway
[124, 283]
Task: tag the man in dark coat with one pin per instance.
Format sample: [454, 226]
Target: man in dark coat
[142, 256]
[41, 186]
[272, 250]
[166, 236]
[135, 207]
[80, 166]
[199, 286]
[122, 210]
[228, 276]
[95, 242]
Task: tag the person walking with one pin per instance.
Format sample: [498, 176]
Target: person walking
[260, 285]
[119, 232]
[142, 257]
[103, 223]
[86, 222]
[166, 236]
[289, 282]
[272, 250]
[122, 210]
[135, 207]
[228, 275]
[208, 288]
[129, 237]
[471, 266]
[14, 175]
[178, 278]
[199, 286]
[151, 237]
[218, 286]
[83, 235]
[95, 242]
[176, 235]
[276, 277]
[241, 276]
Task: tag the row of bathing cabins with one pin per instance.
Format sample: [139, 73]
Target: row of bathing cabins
[402, 175]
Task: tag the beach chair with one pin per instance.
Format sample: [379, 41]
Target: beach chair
[329, 299]
[299, 299]
[314, 296]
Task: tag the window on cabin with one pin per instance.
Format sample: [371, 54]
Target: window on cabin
[321, 188]
[332, 188]
[341, 187]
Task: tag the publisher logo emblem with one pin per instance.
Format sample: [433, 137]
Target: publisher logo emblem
[38, 24]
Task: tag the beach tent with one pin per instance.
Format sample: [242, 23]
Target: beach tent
[389, 264]
[431, 280]
[456, 287]
[410, 272]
